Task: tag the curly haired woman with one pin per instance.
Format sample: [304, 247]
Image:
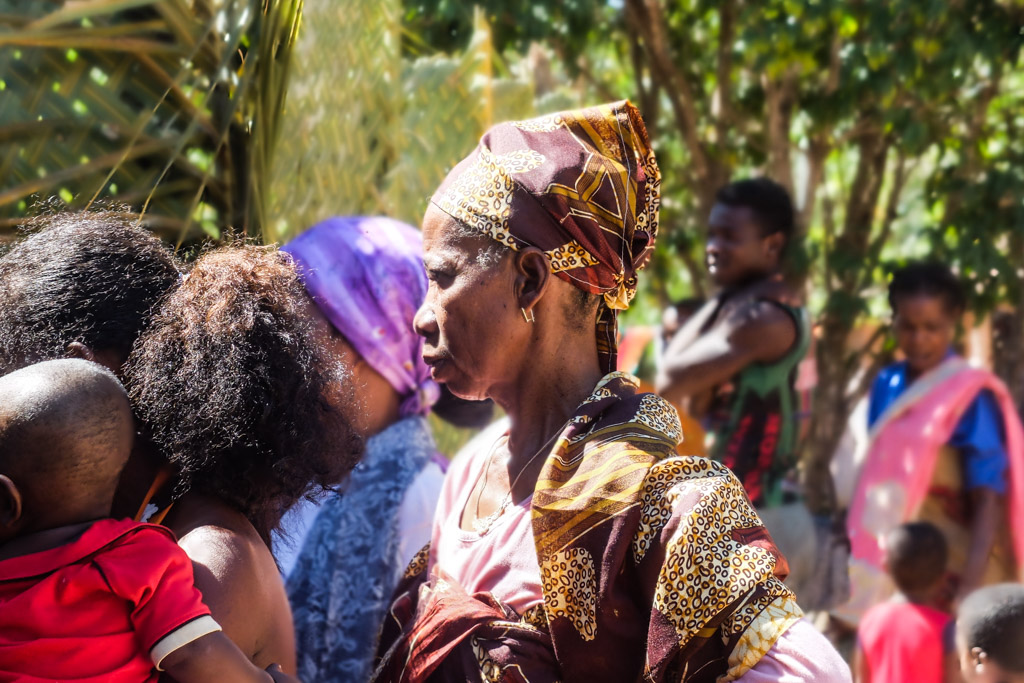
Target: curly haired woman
[244, 400]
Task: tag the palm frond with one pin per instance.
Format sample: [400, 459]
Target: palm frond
[170, 106]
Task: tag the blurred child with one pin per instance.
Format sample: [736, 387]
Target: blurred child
[990, 634]
[901, 640]
[84, 597]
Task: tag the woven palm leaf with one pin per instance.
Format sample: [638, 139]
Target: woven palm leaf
[372, 133]
[169, 106]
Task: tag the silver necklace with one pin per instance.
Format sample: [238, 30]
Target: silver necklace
[482, 525]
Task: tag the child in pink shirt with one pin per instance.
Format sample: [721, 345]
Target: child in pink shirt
[903, 639]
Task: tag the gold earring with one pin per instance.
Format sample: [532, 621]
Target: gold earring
[531, 318]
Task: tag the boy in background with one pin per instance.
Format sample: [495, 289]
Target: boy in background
[902, 639]
[82, 596]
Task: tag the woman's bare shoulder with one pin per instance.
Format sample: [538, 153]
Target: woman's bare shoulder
[225, 548]
[236, 573]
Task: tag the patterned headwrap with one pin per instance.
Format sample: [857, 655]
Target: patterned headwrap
[366, 276]
[583, 186]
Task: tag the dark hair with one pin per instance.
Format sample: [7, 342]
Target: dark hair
[91, 277]
[916, 555]
[992, 619]
[237, 392]
[768, 200]
[928, 279]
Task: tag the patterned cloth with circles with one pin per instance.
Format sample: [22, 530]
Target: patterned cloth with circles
[655, 567]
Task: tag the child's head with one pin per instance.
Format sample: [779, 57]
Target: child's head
[990, 634]
[916, 557]
[66, 431]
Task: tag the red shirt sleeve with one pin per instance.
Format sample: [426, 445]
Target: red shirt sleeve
[148, 569]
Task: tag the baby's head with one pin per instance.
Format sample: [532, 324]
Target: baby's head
[990, 634]
[916, 555]
[66, 431]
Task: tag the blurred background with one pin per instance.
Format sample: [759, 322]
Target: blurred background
[897, 125]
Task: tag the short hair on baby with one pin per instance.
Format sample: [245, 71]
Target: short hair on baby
[64, 424]
[992, 619]
[916, 555]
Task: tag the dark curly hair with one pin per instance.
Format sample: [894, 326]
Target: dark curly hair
[91, 277]
[236, 390]
[992, 619]
[928, 278]
[767, 199]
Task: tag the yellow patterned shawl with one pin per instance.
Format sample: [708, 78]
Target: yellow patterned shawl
[655, 567]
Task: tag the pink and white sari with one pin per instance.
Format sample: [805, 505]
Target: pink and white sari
[908, 461]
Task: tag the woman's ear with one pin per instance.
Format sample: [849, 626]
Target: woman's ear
[533, 274]
[10, 503]
[79, 350]
[108, 358]
[775, 244]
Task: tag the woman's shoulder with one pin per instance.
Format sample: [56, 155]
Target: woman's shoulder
[239, 579]
[647, 420]
[224, 548]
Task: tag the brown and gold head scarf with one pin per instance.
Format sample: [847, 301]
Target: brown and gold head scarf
[583, 186]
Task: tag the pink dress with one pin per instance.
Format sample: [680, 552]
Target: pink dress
[902, 641]
[503, 562]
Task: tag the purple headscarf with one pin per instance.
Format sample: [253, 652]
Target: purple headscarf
[366, 276]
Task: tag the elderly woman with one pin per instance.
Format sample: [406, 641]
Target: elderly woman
[366, 279]
[247, 406]
[575, 546]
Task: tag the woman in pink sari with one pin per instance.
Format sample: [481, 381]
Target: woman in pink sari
[946, 446]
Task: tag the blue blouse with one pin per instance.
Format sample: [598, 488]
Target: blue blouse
[979, 437]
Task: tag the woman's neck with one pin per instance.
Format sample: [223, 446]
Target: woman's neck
[543, 398]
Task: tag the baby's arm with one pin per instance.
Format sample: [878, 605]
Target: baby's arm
[215, 658]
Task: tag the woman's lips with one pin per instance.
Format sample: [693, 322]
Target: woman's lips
[436, 365]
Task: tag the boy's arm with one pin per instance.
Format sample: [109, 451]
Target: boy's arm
[950, 656]
[216, 659]
[861, 672]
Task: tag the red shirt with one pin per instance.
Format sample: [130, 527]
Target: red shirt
[902, 642]
[92, 610]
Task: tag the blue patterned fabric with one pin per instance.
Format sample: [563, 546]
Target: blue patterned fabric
[347, 570]
[979, 436]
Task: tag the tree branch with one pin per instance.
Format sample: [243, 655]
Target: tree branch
[862, 200]
[891, 209]
[726, 36]
[878, 361]
[649, 22]
[696, 273]
[647, 96]
[780, 97]
[816, 156]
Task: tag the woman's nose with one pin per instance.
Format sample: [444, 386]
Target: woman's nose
[425, 322]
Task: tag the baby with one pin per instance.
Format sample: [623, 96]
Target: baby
[990, 634]
[85, 597]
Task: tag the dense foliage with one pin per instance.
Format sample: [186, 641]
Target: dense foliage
[895, 124]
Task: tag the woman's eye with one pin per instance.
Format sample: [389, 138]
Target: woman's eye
[439, 276]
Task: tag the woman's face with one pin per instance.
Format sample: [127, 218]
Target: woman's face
[736, 250]
[924, 329]
[473, 331]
